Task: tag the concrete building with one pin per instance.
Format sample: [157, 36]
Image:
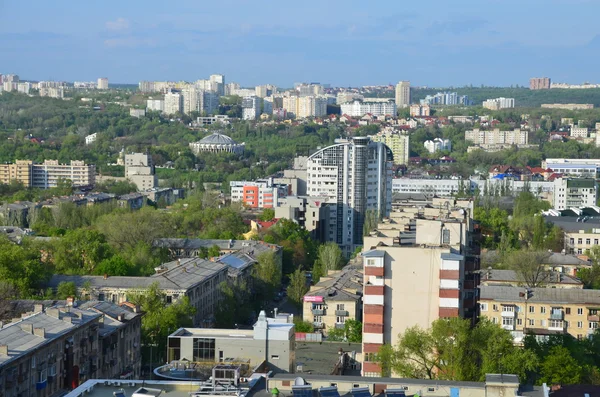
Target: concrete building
[258, 194]
[20, 171]
[360, 108]
[173, 103]
[580, 241]
[119, 335]
[311, 106]
[102, 83]
[403, 94]
[419, 266]
[579, 132]
[356, 177]
[447, 99]
[397, 141]
[490, 138]
[210, 120]
[196, 278]
[47, 174]
[438, 144]
[574, 193]
[24, 88]
[539, 83]
[272, 340]
[156, 105]
[336, 298]
[418, 110]
[47, 352]
[308, 212]
[201, 101]
[499, 103]
[586, 168]
[217, 143]
[139, 169]
[568, 106]
[541, 311]
[251, 107]
[219, 81]
[51, 92]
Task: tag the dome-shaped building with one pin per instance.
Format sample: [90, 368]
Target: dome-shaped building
[216, 143]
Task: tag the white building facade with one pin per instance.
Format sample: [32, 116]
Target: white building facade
[359, 109]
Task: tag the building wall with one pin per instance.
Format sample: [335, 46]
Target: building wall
[47, 174]
[578, 243]
[403, 94]
[331, 313]
[398, 143]
[20, 171]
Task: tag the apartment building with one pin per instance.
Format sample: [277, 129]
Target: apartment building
[360, 108]
[50, 92]
[47, 352]
[156, 105]
[173, 103]
[139, 169]
[197, 100]
[418, 110]
[499, 103]
[589, 168]
[419, 265]
[397, 141]
[196, 278]
[120, 343]
[541, 311]
[308, 212]
[20, 171]
[574, 193]
[334, 299]
[251, 107]
[47, 174]
[497, 137]
[580, 241]
[258, 194]
[402, 94]
[356, 177]
[539, 83]
[568, 106]
[271, 340]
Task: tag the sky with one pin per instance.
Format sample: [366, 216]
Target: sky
[437, 43]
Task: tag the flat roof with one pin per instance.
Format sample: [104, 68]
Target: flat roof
[214, 333]
[540, 295]
[106, 387]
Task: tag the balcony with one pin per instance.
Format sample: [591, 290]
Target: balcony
[593, 317]
[557, 316]
[560, 328]
[339, 325]
[374, 289]
[508, 313]
[374, 271]
[342, 313]
[373, 328]
[318, 312]
[318, 325]
[509, 327]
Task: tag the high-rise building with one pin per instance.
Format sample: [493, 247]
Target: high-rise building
[262, 193]
[219, 81]
[52, 92]
[419, 266]
[397, 141]
[360, 108]
[47, 174]
[539, 83]
[355, 176]
[173, 103]
[250, 107]
[311, 106]
[417, 110]
[437, 145]
[499, 103]
[231, 88]
[24, 88]
[574, 193]
[403, 94]
[102, 83]
[157, 105]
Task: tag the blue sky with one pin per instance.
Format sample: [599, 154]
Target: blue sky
[434, 43]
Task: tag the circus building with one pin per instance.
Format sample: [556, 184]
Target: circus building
[217, 143]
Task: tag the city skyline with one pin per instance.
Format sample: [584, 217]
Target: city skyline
[337, 43]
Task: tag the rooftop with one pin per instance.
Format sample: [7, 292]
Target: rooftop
[490, 275]
[541, 295]
[217, 139]
[21, 336]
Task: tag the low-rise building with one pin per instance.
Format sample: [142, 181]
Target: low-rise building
[541, 311]
[139, 169]
[336, 298]
[258, 194]
[308, 212]
[160, 195]
[578, 242]
[48, 352]
[437, 145]
[272, 340]
[552, 279]
[132, 201]
[133, 112]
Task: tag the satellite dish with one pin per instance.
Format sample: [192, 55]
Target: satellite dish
[299, 381]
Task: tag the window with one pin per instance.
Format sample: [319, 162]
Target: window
[543, 323]
[506, 308]
[495, 320]
[587, 241]
[274, 357]
[370, 357]
[508, 321]
[483, 307]
[543, 309]
[204, 349]
[595, 241]
[555, 324]
[531, 322]
[579, 324]
[318, 319]
[531, 309]
[579, 241]
[593, 325]
[519, 321]
[580, 311]
[568, 310]
[340, 306]
[495, 307]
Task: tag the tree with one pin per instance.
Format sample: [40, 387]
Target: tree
[267, 275]
[330, 257]
[297, 288]
[353, 330]
[267, 215]
[160, 320]
[529, 266]
[66, 289]
[303, 326]
[561, 368]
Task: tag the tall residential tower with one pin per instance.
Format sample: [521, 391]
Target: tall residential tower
[403, 94]
[355, 177]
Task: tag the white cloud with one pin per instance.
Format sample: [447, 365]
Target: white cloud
[118, 24]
